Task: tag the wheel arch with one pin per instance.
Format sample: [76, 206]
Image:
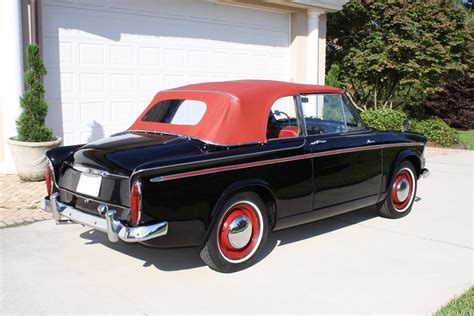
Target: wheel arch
[258, 186]
[410, 155]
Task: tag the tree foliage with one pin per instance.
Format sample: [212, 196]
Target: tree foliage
[30, 124]
[454, 104]
[396, 52]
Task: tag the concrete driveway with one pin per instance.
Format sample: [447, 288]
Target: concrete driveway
[353, 263]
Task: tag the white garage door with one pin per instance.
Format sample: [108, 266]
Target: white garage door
[107, 59]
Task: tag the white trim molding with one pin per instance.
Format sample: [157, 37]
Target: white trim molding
[312, 55]
[329, 5]
[11, 76]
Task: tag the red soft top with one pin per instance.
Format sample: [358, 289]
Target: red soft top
[237, 111]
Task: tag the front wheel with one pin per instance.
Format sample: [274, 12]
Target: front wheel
[239, 234]
[401, 194]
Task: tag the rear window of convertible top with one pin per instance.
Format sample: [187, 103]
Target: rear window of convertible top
[177, 111]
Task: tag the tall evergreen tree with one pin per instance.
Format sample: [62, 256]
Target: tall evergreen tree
[30, 124]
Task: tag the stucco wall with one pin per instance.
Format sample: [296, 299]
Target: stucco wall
[1, 131]
[299, 31]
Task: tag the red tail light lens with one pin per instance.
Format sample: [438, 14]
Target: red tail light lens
[48, 177]
[135, 202]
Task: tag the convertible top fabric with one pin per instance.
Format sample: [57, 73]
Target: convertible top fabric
[237, 111]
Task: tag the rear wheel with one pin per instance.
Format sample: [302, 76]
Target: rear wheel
[401, 194]
[239, 234]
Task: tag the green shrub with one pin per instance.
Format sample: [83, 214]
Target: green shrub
[384, 119]
[436, 130]
[30, 124]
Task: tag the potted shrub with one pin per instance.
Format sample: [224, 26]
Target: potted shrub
[28, 148]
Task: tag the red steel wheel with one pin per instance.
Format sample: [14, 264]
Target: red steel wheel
[403, 190]
[240, 232]
[237, 238]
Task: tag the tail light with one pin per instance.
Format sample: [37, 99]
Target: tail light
[135, 202]
[48, 177]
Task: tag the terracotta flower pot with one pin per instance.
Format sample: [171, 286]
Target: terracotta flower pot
[30, 159]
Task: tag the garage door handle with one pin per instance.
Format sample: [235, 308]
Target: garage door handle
[319, 141]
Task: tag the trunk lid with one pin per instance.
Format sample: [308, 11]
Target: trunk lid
[121, 154]
[113, 159]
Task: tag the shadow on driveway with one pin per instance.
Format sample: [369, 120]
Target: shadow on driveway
[188, 258]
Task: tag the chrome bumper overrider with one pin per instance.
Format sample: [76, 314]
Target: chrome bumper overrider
[110, 225]
[425, 173]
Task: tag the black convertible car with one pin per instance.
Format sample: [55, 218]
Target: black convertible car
[220, 165]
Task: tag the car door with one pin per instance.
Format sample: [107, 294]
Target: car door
[291, 181]
[347, 156]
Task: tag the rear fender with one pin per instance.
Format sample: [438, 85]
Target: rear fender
[258, 186]
[58, 155]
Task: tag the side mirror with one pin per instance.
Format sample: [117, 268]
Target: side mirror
[406, 124]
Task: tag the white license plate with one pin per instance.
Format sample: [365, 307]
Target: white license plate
[89, 184]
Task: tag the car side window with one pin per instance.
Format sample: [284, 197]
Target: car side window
[327, 114]
[352, 121]
[283, 120]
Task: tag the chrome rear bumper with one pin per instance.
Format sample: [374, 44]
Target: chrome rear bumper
[114, 228]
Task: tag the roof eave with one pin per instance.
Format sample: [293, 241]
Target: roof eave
[328, 6]
[325, 6]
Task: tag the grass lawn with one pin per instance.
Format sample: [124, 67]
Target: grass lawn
[467, 137]
[461, 305]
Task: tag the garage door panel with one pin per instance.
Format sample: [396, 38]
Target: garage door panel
[149, 56]
[56, 52]
[186, 9]
[107, 60]
[92, 84]
[122, 84]
[91, 54]
[97, 24]
[121, 54]
[59, 84]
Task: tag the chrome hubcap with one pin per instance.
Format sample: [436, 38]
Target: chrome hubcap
[403, 190]
[240, 232]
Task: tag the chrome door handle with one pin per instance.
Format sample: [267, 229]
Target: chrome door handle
[318, 141]
[369, 141]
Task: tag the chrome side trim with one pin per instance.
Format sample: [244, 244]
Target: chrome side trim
[403, 145]
[318, 141]
[227, 168]
[110, 225]
[279, 160]
[205, 141]
[220, 158]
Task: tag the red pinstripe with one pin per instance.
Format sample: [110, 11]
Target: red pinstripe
[280, 160]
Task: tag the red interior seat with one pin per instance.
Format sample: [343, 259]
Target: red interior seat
[285, 132]
[289, 131]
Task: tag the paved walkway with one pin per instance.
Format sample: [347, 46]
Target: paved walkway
[437, 151]
[19, 201]
[353, 263]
